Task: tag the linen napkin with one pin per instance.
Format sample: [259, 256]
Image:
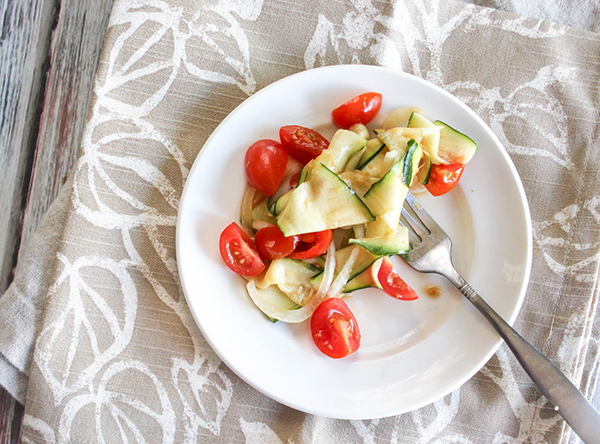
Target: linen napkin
[117, 356]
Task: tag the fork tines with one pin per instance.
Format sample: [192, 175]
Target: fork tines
[418, 221]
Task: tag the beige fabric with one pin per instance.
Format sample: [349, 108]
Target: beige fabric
[118, 357]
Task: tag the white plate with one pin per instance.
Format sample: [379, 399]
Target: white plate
[412, 353]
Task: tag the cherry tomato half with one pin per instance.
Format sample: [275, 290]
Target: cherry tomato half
[238, 253]
[265, 165]
[392, 284]
[312, 245]
[294, 179]
[443, 178]
[303, 144]
[334, 329]
[272, 244]
[361, 109]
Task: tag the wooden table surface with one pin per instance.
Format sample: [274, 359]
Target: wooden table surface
[49, 52]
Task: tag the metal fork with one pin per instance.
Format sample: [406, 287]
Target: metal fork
[431, 253]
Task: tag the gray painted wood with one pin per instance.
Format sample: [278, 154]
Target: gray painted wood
[49, 52]
[24, 45]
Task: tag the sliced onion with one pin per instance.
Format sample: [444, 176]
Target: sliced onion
[258, 224]
[246, 210]
[417, 188]
[328, 271]
[302, 314]
[293, 167]
[359, 231]
[342, 278]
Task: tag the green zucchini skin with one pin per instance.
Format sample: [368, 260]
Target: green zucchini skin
[411, 162]
[374, 147]
[455, 147]
[323, 202]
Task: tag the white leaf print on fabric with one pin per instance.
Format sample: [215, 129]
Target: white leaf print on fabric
[358, 34]
[78, 326]
[524, 26]
[258, 432]
[223, 41]
[427, 36]
[532, 426]
[117, 406]
[555, 237]
[366, 430]
[205, 391]
[544, 118]
[123, 67]
[38, 428]
[445, 410]
[90, 198]
[357, 38]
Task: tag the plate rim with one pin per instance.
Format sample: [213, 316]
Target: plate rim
[517, 181]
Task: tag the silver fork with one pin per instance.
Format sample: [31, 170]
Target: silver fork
[431, 253]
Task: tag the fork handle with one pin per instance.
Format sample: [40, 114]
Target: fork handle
[555, 386]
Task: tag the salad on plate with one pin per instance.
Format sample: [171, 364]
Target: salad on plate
[321, 218]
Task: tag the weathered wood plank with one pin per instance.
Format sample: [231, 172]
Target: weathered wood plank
[24, 44]
[49, 52]
[74, 55]
[11, 418]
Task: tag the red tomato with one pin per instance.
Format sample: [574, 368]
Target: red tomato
[392, 284]
[334, 329]
[443, 178]
[361, 109]
[272, 244]
[303, 144]
[294, 179]
[312, 245]
[237, 251]
[265, 165]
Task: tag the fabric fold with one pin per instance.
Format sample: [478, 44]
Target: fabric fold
[22, 305]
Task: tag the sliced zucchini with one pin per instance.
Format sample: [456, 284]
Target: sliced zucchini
[396, 139]
[354, 160]
[424, 172]
[384, 224]
[361, 130]
[387, 193]
[326, 158]
[431, 136]
[377, 166]
[293, 277]
[418, 120]
[261, 212]
[374, 146]
[400, 116]
[363, 260]
[366, 279]
[343, 146]
[358, 180]
[323, 202]
[411, 162]
[394, 243]
[303, 175]
[280, 203]
[455, 147]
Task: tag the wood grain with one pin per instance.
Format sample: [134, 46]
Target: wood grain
[49, 52]
[11, 417]
[25, 43]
